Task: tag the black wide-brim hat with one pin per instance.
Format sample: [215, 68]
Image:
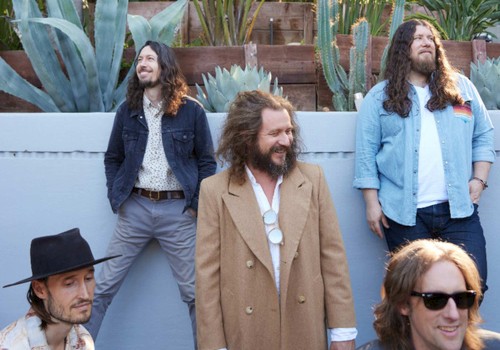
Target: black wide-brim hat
[64, 252]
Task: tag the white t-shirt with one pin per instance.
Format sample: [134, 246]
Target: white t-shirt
[431, 180]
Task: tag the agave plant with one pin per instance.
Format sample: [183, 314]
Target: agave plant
[223, 88]
[87, 79]
[486, 78]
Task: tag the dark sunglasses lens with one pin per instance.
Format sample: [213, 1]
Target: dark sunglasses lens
[437, 301]
[464, 300]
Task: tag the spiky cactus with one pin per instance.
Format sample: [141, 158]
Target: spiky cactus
[335, 75]
[486, 78]
[357, 72]
[398, 12]
[223, 88]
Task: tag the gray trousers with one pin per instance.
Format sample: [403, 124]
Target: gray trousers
[139, 221]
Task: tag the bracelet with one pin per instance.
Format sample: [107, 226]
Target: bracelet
[484, 183]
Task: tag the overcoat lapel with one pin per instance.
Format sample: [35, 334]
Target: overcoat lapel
[242, 205]
[295, 204]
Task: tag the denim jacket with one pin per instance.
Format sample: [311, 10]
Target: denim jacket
[387, 147]
[188, 147]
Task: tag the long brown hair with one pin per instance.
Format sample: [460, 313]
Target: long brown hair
[242, 126]
[173, 84]
[442, 84]
[38, 306]
[404, 270]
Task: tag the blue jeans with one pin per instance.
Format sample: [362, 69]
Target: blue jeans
[141, 220]
[435, 222]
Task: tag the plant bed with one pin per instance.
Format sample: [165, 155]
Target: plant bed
[291, 22]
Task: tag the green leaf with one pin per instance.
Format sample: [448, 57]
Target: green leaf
[85, 48]
[12, 83]
[165, 24]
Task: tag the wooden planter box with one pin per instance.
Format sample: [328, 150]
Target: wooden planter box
[459, 53]
[294, 66]
[297, 67]
[279, 22]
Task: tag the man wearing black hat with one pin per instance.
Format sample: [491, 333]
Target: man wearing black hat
[60, 294]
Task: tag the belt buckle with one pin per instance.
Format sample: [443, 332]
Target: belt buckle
[153, 198]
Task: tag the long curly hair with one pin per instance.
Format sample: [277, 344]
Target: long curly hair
[404, 270]
[173, 83]
[242, 125]
[442, 84]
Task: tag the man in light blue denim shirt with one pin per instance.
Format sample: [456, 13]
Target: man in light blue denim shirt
[424, 147]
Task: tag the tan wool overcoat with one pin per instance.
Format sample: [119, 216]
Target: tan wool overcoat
[237, 303]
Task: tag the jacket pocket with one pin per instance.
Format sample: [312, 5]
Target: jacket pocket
[183, 143]
[129, 140]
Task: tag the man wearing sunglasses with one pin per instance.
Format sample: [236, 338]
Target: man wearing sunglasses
[430, 301]
[271, 270]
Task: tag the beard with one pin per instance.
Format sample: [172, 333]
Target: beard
[264, 161]
[57, 312]
[145, 84]
[423, 66]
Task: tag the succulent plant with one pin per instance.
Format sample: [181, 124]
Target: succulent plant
[87, 79]
[486, 78]
[343, 87]
[357, 57]
[223, 88]
[227, 22]
[398, 11]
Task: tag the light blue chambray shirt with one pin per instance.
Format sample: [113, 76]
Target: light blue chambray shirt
[387, 149]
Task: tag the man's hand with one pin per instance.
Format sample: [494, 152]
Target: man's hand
[374, 214]
[475, 190]
[342, 345]
[192, 212]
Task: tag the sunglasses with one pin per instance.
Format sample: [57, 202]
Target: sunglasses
[437, 301]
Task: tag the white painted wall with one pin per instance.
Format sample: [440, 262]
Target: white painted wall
[52, 179]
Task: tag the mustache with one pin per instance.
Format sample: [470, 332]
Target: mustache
[279, 149]
[82, 302]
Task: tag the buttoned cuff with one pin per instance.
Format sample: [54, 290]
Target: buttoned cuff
[342, 334]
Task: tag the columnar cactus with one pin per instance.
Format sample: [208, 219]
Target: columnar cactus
[342, 87]
[398, 11]
[335, 75]
[357, 72]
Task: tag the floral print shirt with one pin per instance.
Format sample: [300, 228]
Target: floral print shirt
[26, 334]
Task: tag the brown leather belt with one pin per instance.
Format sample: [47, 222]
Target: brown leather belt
[159, 195]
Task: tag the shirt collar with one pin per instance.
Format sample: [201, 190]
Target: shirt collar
[253, 180]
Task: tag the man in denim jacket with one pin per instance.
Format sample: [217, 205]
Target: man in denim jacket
[159, 150]
[424, 147]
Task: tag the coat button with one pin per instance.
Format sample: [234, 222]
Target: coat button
[296, 255]
[249, 310]
[250, 264]
[302, 299]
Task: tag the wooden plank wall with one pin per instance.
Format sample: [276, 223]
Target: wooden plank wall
[291, 22]
[293, 66]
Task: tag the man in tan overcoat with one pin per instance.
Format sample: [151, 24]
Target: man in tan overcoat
[271, 270]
